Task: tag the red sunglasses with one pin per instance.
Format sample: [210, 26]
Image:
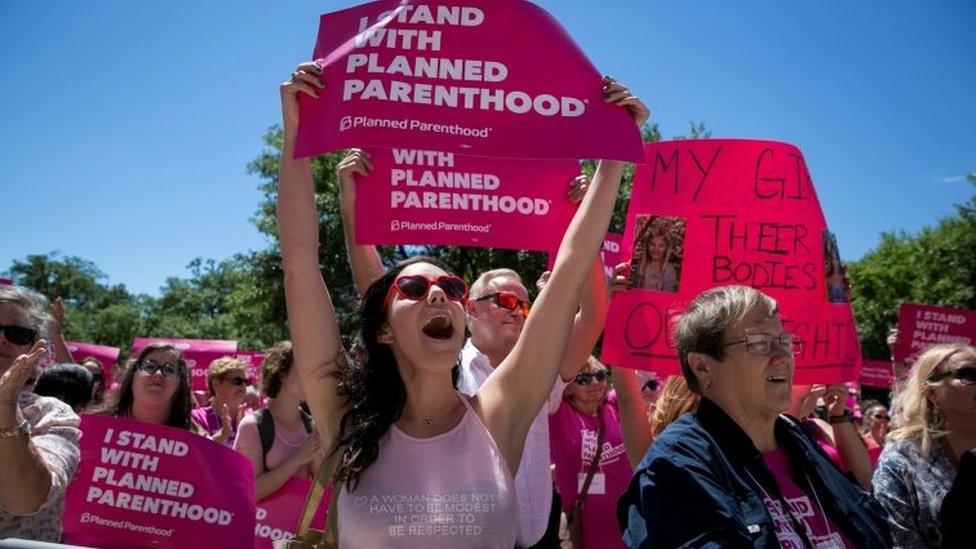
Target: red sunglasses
[508, 301]
[416, 287]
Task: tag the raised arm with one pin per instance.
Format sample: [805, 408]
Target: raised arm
[588, 323]
[512, 396]
[311, 319]
[59, 344]
[364, 260]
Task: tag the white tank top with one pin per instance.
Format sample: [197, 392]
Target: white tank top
[450, 490]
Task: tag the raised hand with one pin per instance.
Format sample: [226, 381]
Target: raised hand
[356, 161]
[618, 94]
[620, 279]
[306, 79]
[577, 187]
[12, 381]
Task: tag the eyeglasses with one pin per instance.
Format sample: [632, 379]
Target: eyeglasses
[585, 378]
[882, 417]
[508, 301]
[965, 375]
[168, 370]
[18, 335]
[416, 287]
[237, 381]
[764, 344]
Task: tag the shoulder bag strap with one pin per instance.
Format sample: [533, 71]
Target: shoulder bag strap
[581, 497]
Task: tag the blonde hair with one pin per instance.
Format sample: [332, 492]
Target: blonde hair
[478, 286]
[676, 399]
[918, 419]
[220, 368]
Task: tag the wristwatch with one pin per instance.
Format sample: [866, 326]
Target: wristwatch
[846, 417]
[23, 429]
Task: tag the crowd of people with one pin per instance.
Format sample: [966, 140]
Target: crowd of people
[479, 394]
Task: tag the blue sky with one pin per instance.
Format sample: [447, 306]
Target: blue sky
[126, 126]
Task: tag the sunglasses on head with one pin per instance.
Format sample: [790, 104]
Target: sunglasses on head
[509, 302]
[18, 335]
[168, 370]
[584, 378]
[966, 375]
[416, 287]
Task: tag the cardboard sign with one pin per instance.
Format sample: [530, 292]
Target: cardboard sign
[106, 355]
[877, 373]
[921, 326]
[707, 213]
[429, 197]
[498, 78]
[279, 513]
[146, 485]
[198, 353]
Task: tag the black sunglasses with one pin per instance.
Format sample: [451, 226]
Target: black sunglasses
[651, 385]
[238, 381]
[965, 375]
[18, 335]
[586, 377]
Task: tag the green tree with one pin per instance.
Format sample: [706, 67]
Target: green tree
[936, 266]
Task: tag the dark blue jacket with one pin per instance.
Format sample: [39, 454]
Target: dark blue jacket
[692, 489]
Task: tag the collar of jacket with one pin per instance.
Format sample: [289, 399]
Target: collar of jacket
[734, 442]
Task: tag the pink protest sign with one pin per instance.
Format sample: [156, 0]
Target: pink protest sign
[460, 78]
[104, 354]
[278, 514]
[877, 373]
[198, 353]
[253, 360]
[428, 197]
[610, 252]
[6, 282]
[706, 213]
[146, 485]
[921, 326]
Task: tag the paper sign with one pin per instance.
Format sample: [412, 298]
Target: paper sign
[278, 514]
[252, 360]
[877, 373]
[707, 213]
[105, 355]
[921, 326]
[498, 78]
[610, 252]
[6, 282]
[429, 197]
[146, 485]
[198, 353]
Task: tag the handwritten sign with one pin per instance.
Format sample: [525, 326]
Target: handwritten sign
[439, 75]
[431, 197]
[921, 326]
[707, 213]
[278, 514]
[877, 373]
[146, 485]
[198, 353]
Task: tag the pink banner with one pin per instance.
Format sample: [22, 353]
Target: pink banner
[6, 282]
[921, 326]
[253, 361]
[610, 252]
[278, 514]
[106, 355]
[146, 485]
[429, 197]
[198, 353]
[706, 213]
[877, 373]
[435, 74]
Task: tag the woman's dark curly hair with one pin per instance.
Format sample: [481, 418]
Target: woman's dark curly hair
[180, 406]
[371, 383]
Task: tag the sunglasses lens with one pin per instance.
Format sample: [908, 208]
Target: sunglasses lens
[507, 301]
[966, 374]
[412, 287]
[583, 379]
[19, 335]
[453, 287]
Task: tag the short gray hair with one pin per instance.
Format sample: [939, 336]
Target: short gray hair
[32, 303]
[703, 324]
[479, 286]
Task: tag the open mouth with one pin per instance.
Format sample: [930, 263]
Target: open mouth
[778, 378]
[439, 327]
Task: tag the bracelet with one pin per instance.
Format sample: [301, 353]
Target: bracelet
[23, 429]
[846, 417]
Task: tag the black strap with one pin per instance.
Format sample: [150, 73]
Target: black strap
[266, 430]
[594, 465]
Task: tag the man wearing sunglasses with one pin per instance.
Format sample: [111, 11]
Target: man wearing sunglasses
[38, 435]
[497, 306]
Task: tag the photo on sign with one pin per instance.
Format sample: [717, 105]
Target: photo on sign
[838, 288]
[659, 243]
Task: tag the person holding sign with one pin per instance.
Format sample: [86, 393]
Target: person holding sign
[935, 425]
[38, 435]
[155, 388]
[736, 472]
[422, 465]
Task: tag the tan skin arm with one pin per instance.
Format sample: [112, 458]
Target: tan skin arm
[846, 438]
[364, 260]
[61, 352]
[514, 393]
[318, 350]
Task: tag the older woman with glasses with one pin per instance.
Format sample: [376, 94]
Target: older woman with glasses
[736, 472]
[934, 427]
[155, 388]
[38, 435]
[227, 383]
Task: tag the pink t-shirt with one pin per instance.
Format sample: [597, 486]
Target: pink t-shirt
[285, 444]
[446, 491]
[823, 533]
[573, 437]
